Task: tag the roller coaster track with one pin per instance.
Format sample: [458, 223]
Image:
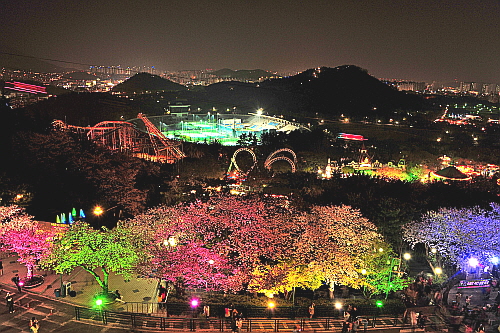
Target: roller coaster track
[274, 157]
[125, 137]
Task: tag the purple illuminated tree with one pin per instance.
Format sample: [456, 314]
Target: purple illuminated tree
[455, 235]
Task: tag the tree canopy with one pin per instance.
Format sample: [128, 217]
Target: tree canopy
[263, 245]
[99, 252]
[458, 234]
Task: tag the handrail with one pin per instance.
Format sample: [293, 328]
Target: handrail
[162, 323]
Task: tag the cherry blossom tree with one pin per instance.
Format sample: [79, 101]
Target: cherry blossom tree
[455, 235]
[259, 244]
[19, 233]
[235, 234]
[99, 252]
[333, 243]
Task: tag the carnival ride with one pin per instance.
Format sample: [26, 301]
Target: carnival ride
[235, 172]
[124, 136]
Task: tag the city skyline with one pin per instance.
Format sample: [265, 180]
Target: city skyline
[413, 40]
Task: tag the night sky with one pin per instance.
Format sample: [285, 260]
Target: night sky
[403, 39]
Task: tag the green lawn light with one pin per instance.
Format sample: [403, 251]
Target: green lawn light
[379, 304]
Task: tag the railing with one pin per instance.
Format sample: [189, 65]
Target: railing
[184, 309]
[163, 323]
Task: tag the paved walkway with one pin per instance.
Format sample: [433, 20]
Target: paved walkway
[57, 314]
[84, 284]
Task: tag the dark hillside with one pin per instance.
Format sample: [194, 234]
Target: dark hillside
[327, 92]
[81, 109]
[145, 82]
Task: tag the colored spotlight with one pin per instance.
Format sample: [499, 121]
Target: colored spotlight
[194, 303]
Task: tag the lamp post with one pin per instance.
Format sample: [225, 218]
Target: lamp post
[473, 263]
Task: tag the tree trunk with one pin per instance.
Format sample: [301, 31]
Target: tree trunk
[102, 284]
[29, 273]
[331, 289]
[106, 279]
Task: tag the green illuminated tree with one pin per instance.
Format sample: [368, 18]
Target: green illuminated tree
[382, 271]
[99, 252]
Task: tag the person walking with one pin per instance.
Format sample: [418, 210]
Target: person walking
[10, 302]
[311, 310]
[34, 325]
[16, 280]
[206, 311]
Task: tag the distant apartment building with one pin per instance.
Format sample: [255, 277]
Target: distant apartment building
[192, 77]
[479, 88]
[129, 71]
[407, 85]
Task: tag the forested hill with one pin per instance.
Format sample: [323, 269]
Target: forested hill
[347, 90]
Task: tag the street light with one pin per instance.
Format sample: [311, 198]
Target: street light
[270, 306]
[473, 262]
[379, 304]
[98, 210]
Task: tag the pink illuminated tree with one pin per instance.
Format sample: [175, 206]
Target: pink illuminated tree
[236, 235]
[229, 243]
[19, 233]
